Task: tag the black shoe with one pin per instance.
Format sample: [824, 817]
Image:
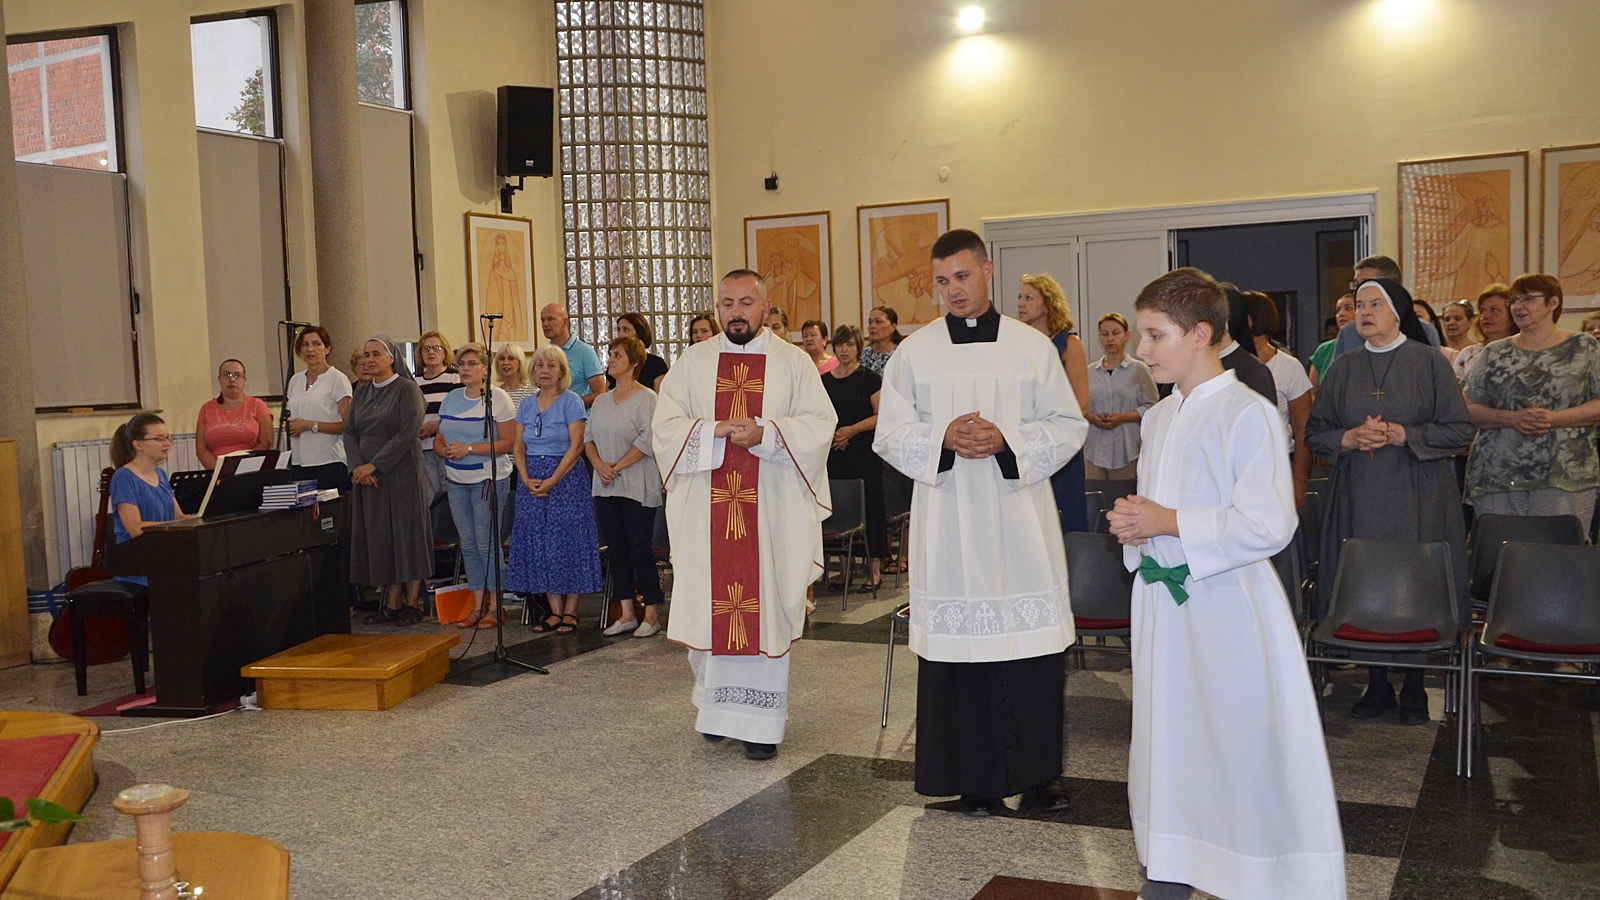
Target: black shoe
[386, 615]
[408, 616]
[713, 738]
[969, 805]
[1375, 702]
[752, 750]
[1413, 708]
[1049, 797]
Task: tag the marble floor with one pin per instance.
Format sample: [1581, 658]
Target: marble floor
[590, 782]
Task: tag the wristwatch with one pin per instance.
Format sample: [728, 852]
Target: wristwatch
[317, 427]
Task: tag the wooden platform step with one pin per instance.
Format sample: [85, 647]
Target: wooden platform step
[69, 785]
[352, 671]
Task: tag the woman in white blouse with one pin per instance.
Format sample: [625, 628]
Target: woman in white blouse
[1121, 388]
[319, 403]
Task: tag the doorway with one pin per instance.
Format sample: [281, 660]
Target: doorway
[1304, 266]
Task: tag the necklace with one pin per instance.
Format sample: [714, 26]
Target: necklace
[1378, 394]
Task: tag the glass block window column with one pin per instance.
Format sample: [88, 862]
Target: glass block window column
[635, 182]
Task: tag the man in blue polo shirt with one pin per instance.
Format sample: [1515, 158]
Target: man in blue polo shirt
[588, 376]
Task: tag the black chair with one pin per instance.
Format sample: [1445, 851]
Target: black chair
[845, 530]
[1543, 607]
[1101, 588]
[1491, 532]
[1094, 509]
[1393, 598]
[902, 613]
[1114, 489]
[113, 599]
[897, 491]
[1290, 566]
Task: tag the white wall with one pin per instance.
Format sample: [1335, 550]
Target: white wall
[1072, 107]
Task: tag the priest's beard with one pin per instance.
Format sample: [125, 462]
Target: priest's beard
[741, 338]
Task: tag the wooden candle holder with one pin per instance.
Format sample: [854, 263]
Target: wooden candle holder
[151, 806]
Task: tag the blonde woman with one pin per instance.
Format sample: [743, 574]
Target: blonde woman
[1042, 304]
[555, 548]
[438, 378]
[511, 374]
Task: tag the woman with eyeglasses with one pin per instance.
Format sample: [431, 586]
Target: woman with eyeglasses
[1535, 398]
[437, 379]
[555, 547]
[462, 444]
[391, 538]
[140, 492]
[233, 420]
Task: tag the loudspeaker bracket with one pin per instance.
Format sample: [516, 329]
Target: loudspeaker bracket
[507, 190]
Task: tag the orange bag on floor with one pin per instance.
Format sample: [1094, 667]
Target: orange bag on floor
[453, 603]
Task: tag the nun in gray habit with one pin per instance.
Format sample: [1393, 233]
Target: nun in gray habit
[1388, 416]
[391, 542]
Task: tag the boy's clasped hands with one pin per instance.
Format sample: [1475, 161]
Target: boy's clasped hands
[1135, 520]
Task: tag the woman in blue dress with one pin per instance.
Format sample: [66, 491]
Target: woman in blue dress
[555, 547]
[1042, 304]
[140, 492]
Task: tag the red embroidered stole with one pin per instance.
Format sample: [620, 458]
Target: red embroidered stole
[735, 528]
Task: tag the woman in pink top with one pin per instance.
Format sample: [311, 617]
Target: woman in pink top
[814, 340]
[233, 420]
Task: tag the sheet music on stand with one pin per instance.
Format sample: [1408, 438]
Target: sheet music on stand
[242, 462]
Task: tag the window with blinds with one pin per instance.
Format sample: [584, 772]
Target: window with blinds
[635, 183]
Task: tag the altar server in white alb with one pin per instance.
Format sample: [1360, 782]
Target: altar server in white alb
[741, 433]
[977, 410]
[1228, 781]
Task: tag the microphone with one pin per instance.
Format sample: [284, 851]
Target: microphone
[492, 316]
[295, 324]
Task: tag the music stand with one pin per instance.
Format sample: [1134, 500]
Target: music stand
[496, 563]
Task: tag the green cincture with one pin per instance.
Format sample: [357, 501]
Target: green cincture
[1153, 572]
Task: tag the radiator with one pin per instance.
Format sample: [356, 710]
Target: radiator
[77, 466]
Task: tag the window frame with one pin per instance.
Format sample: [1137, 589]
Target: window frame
[113, 61]
[272, 90]
[403, 84]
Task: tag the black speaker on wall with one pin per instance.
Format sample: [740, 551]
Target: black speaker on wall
[526, 133]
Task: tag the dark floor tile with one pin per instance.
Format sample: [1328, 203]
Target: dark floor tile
[1004, 887]
[1427, 881]
[874, 632]
[1101, 804]
[1372, 829]
[479, 670]
[1479, 843]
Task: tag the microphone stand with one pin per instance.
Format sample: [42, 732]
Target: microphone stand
[493, 583]
[292, 329]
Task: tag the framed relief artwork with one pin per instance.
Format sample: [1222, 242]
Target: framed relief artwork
[500, 277]
[794, 254]
[895, 239]
[1570, 224]
[1463, 224]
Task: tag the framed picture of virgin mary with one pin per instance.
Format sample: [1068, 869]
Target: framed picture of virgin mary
[500, 276]
[1570, 224]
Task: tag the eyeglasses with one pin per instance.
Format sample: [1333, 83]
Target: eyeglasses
[431, 348]
[157, 438]
[231, 376]
[1526, 298]
[538, 425]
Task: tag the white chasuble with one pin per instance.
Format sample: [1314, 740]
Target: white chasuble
[987, 566]
[1228, 781]
[798, 422]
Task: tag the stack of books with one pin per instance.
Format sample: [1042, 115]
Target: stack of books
[288, 496]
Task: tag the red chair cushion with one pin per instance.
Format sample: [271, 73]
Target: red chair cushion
[1101, 624]
[1512, 642]
[1349, 632]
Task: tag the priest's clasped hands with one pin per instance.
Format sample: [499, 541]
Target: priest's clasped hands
[1373, 434]
[972, 436]
[1135, 520]
[744, 433]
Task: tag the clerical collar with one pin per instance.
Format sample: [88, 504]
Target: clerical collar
[1387, 349]
[758, 344]
[1231, 347]
[985, 329]
[387, 381]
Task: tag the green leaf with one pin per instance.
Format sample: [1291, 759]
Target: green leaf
[8, 810]
[47, 813]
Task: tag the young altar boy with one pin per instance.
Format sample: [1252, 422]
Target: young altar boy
[1228, 780]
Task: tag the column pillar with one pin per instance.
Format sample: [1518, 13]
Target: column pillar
[338, 212]
[16, 401]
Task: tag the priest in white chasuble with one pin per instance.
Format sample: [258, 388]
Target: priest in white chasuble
[977, 410]
[741, 432]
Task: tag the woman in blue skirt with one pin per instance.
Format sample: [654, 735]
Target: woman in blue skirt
[555, 549]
